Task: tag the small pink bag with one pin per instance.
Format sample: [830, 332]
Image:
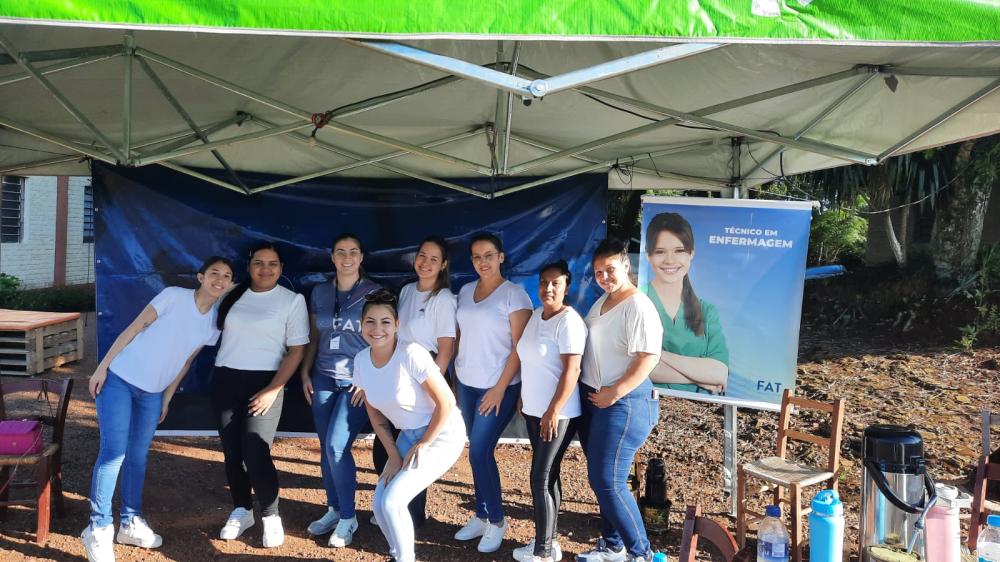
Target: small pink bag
[20, 437]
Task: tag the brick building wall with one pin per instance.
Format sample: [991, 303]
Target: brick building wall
[33, 259]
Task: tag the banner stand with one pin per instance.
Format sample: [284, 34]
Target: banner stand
[730, 410]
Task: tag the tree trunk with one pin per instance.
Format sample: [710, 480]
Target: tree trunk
[959, 217]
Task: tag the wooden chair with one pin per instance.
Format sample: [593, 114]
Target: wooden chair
[698, 527]
[986, 471]
[783, 473]
[48, 463]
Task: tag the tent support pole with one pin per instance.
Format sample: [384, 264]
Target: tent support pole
[181, 139]
[38, 164]
[270, 132]
[697, 114]
[539, 87]
[509, 113]
[598, 165]
[377, 161]
[190, 122]
[305, 115]
[59, 67]
[942, 72]
[953, 111]
[127, 95]
[65, 143]
[815, 120]
[28, 67]
[203, 177]
[449, 65]
[62, 54]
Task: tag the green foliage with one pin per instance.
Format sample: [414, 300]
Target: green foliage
[979, 289]
[8, 290]
[837, 235]
[75, 298]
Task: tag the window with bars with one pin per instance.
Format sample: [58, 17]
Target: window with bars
[88, 214]
[11, 208]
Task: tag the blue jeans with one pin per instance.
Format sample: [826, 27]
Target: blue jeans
[484, 433]
[611, 437]
[127, 418]
[337, 424]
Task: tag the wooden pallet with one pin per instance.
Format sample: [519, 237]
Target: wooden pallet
[31, 342]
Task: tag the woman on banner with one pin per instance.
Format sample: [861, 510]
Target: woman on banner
[427, 317]
[492, 313]
[404, 391]
[550, 350]
[327, 380]
[620, 406]
[265, 329]
[694, 356]
[132, 388]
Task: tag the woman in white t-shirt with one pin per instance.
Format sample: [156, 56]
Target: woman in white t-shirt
[492, 313]
[427, 318]
[132, 387]
[404, 390]
[620, 407]
[265, 328]
[550, 349]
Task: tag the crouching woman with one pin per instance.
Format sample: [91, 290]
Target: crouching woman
[404, 388]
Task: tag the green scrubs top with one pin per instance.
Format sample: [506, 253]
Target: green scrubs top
[679, 339]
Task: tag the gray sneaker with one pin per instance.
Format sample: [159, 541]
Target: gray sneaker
[603, 553]
[137, 533]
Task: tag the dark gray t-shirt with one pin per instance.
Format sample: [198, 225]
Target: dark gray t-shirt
[339, 335]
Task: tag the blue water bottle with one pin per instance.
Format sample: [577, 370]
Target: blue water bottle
[826, 528]
[659, 557]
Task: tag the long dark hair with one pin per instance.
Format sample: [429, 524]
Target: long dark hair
[349, 236]
[443, 280]
[677, 225]
[239, 290]
[212, 260]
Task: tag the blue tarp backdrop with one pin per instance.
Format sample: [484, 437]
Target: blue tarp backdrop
[155, 226]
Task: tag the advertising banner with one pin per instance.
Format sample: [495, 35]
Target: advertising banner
[726, 277]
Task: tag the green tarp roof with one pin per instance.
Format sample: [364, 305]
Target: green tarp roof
[833, 21]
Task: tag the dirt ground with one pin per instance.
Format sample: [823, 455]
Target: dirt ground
[940, 391]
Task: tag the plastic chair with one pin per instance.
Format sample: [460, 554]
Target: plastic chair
[48, 463]
[985, 472]
[698, 527]
[783, 473]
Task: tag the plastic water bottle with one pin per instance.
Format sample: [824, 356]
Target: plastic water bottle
[988, 547]
[659, 557]
[826, 528]
[772, 537]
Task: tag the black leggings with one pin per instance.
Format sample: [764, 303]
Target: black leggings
[246, 439]
[417, 506]
[546, 489]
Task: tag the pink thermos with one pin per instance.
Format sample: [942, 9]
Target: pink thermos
[942, 527]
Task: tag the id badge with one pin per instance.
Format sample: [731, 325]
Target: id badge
[335, 343]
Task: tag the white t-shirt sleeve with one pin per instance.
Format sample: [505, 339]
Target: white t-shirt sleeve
[357, 376]
[422, 365]
[517, 299]
[297, 323]
[643, 330]
[165, 299]
[572, 335]
[444, 320]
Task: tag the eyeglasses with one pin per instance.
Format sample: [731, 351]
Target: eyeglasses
[381, 297]
[353, 252]
[485, 257]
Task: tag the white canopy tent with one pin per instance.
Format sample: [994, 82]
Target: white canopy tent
[665, 114]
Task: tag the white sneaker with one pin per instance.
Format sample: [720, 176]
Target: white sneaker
[474, 528]
[344, 533]
[99, 543]
[137, 533]
[602, 553]
[274, 533]
[324, 524]
[239, 521]
[493, 537]
[526, 553]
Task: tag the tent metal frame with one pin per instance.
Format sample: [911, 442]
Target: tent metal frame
[509, 77]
